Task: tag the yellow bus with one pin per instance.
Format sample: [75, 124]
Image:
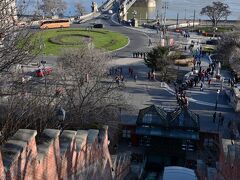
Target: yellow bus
[55, 23]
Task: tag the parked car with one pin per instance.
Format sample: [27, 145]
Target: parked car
[98, 26]
[44, 71]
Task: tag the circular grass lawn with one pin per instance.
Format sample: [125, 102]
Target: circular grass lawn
[57, 39]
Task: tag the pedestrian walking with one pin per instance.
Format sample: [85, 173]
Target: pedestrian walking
[201, 87]
[219, 117]
[209, 82]
[154, 75]
[222, 119]
[149, 42]
[144, 55]
[229, 81]
[214, 117]
[135, 77]
[121, 70]
[117, 80]
[149, 75]
[138, 54]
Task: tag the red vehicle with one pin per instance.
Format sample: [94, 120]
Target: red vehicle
[44, 71]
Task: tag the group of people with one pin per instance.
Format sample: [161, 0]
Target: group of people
[119, 74]
[119, 78]
[139, 55]
[200, 77]
[151, 75]
[231, 82]
[181, 97]
[115, 71]
[185, 34]
[220, 118]
[132, 74]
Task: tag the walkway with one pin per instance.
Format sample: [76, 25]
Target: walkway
[143, 93]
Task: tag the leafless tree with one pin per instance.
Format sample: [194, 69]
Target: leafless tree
[79, 8]
[90, 96]
[228, 50]
[229, 41]
[53, 7]
[27, 106]
[216, 12]
[15, 41]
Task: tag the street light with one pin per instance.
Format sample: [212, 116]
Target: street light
[134, 14]
[218, 70]
[134, 21]
[214, 31]
[165, 7]
[218, 92]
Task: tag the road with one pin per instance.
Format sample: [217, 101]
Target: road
[138, 40]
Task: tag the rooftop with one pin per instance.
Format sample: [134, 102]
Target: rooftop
[177, 172]
[170, 118]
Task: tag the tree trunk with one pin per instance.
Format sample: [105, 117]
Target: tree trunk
[215, 23]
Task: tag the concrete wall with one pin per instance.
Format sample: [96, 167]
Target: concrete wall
[69, 155]
[229, 164]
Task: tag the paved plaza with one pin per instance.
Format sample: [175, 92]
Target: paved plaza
[144, 92]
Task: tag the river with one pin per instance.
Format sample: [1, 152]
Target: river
[185, 8]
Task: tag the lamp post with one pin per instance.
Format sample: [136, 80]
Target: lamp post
[134, 18]
[165, 7]
[218, 92]
[214, 31]
[134, 14]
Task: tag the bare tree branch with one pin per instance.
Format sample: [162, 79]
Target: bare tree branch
[216, 12]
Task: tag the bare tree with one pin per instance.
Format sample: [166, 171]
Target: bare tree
[87, 94]
[79, 8]
[90, 96]
[229, 41]
[228, 50]
[216, 12]
[27, 106]
[53, 7]
[15, 42]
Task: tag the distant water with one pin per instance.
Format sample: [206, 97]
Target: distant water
[185, 8]
[174, 7]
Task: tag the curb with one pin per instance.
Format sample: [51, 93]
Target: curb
[128, 27]
[121, 47]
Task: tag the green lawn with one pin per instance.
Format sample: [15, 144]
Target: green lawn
[75, 37]
[69, 39]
